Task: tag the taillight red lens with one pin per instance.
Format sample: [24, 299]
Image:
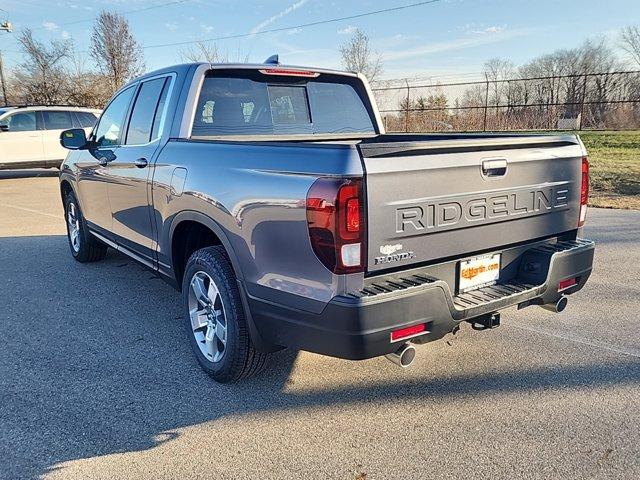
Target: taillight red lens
[353, 215]
[336, 226]
[584, 191]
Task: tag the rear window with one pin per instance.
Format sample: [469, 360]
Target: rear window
[86, 119]
[251, 103]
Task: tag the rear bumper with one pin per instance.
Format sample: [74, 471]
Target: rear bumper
[359, 325]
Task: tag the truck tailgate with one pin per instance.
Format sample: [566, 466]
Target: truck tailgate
[432, 197]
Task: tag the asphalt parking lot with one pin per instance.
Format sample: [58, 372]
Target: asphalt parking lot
[97, 380]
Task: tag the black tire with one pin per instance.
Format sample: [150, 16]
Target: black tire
[240, 358]
[88, 248]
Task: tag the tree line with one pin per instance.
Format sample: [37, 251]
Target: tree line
[56, 73]
[588, 85]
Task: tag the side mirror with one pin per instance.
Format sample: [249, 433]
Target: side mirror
[73, 139]
[4, 128]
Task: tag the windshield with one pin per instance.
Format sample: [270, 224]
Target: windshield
[251, 103]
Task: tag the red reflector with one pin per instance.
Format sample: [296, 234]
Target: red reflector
[291, 73]
[564, 284]
[408, 332]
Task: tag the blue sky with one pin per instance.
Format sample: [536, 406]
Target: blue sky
[449, 38]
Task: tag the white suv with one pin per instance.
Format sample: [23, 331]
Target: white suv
[30, 136]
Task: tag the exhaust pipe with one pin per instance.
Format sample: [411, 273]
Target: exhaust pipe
[557, 307]
[404, 356]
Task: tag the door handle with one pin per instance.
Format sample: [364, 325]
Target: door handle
[141, 162]
[103, 156]
[494, 168]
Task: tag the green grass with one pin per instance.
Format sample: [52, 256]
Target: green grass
[614, 160]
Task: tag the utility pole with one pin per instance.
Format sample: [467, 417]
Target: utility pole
[4, 87]
[7, 27]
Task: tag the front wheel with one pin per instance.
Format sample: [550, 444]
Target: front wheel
[215, 321]
[84, 246]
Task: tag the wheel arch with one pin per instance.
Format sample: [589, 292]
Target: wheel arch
[189, 219]
[65, 188]
[185, 229]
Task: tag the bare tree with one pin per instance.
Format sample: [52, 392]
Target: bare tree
[114, 49]
[41, 78]
[495, 70]
[87, 86]
[357, 56]
[630, 42]
[203, 52]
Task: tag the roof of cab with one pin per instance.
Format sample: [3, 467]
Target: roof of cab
[185, 67]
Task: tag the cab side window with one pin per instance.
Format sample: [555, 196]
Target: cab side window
[109, 130]
[57, 119]
[21, 122]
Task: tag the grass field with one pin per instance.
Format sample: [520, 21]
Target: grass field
[614, 159]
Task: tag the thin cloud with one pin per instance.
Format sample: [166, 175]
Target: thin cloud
[458, 44]
[348, 30]
[291, 8]
[65, 35]
[489, 30]
[51, 26]
[171, 26]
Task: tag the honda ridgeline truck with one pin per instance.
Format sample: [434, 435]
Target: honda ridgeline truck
[273, 199]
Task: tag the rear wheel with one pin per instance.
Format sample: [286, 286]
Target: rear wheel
[84, 246]
[215, 322]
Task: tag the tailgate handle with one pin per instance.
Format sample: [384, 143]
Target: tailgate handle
[494, 168]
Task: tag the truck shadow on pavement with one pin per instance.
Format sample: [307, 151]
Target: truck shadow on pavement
[29, 173]
[94, 362]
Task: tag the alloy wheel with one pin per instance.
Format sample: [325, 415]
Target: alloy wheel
[207, 314]
[74, 226]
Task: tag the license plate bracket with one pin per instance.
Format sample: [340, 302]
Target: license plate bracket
[478, 272]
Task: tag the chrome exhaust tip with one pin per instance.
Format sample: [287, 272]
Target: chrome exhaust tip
[557, 307]
[404, 356]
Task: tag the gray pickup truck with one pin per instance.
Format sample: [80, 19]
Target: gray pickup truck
[272, 198]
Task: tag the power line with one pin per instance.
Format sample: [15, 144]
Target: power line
[128, 12]
[273, 30]
[302, 25]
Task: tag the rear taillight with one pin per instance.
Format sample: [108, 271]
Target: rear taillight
[584, 191]
[335, 216]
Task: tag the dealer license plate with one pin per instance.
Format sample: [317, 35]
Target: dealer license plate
[478, 272]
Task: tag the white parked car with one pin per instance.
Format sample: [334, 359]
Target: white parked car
[30, 136]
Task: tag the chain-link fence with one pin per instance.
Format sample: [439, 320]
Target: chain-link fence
[592, 101]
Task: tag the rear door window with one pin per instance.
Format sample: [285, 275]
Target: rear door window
[158, 117]
[251, 103]
[57, 119]
[144, 110]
